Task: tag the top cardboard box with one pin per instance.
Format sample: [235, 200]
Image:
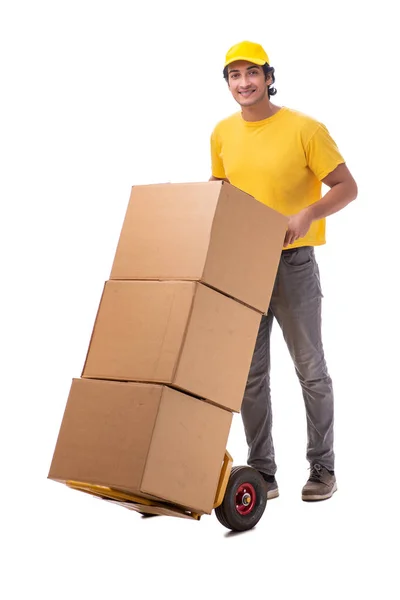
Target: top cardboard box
[209, 232]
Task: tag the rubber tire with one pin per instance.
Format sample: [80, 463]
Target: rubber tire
[227, 514]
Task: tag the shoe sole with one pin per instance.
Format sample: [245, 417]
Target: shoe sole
[272, 494]
[316, 497]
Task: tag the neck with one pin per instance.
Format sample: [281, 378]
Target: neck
[260, 111]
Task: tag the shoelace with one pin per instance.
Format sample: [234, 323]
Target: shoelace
[316, 473]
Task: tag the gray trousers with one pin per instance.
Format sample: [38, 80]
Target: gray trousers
[296, 305]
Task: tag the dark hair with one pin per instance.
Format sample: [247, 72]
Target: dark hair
[267, 71]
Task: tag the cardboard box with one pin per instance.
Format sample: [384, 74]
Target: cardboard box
[184, 334]
[210, 232]
[147, 440]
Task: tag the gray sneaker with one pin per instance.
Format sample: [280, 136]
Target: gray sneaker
[271, 485]
[321, 484]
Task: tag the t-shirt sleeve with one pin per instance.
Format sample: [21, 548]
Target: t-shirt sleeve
[217, 165]
[322, 153]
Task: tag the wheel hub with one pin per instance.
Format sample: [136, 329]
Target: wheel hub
[245, 498]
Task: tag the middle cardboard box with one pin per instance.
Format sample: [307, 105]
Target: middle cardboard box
[180, 333]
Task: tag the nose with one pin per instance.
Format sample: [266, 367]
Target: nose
[244, 82]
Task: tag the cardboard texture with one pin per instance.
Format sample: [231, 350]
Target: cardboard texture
[148, 440]
[184, 334]
[209, 232]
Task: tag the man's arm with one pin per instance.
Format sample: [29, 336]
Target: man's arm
[343, 191]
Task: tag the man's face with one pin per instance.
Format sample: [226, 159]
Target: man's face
[247, 83]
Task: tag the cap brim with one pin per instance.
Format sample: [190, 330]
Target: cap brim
[255, 61]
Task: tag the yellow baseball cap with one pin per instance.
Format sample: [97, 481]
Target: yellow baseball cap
[249, 51]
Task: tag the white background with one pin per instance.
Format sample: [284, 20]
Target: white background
[96, 97]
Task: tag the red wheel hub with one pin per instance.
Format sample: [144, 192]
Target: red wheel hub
[245, 498]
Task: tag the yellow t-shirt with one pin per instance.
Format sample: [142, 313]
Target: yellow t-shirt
[280, 161]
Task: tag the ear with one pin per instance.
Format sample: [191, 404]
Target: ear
[268, 79]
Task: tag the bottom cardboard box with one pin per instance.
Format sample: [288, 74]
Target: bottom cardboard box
[148, 440]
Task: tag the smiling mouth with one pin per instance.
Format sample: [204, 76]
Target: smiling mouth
[247, 93]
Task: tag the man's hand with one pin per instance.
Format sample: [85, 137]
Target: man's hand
[298, 226]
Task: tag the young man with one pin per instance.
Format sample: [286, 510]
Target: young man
[281, 157]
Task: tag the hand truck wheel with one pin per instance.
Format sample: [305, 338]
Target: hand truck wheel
[244, 501]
